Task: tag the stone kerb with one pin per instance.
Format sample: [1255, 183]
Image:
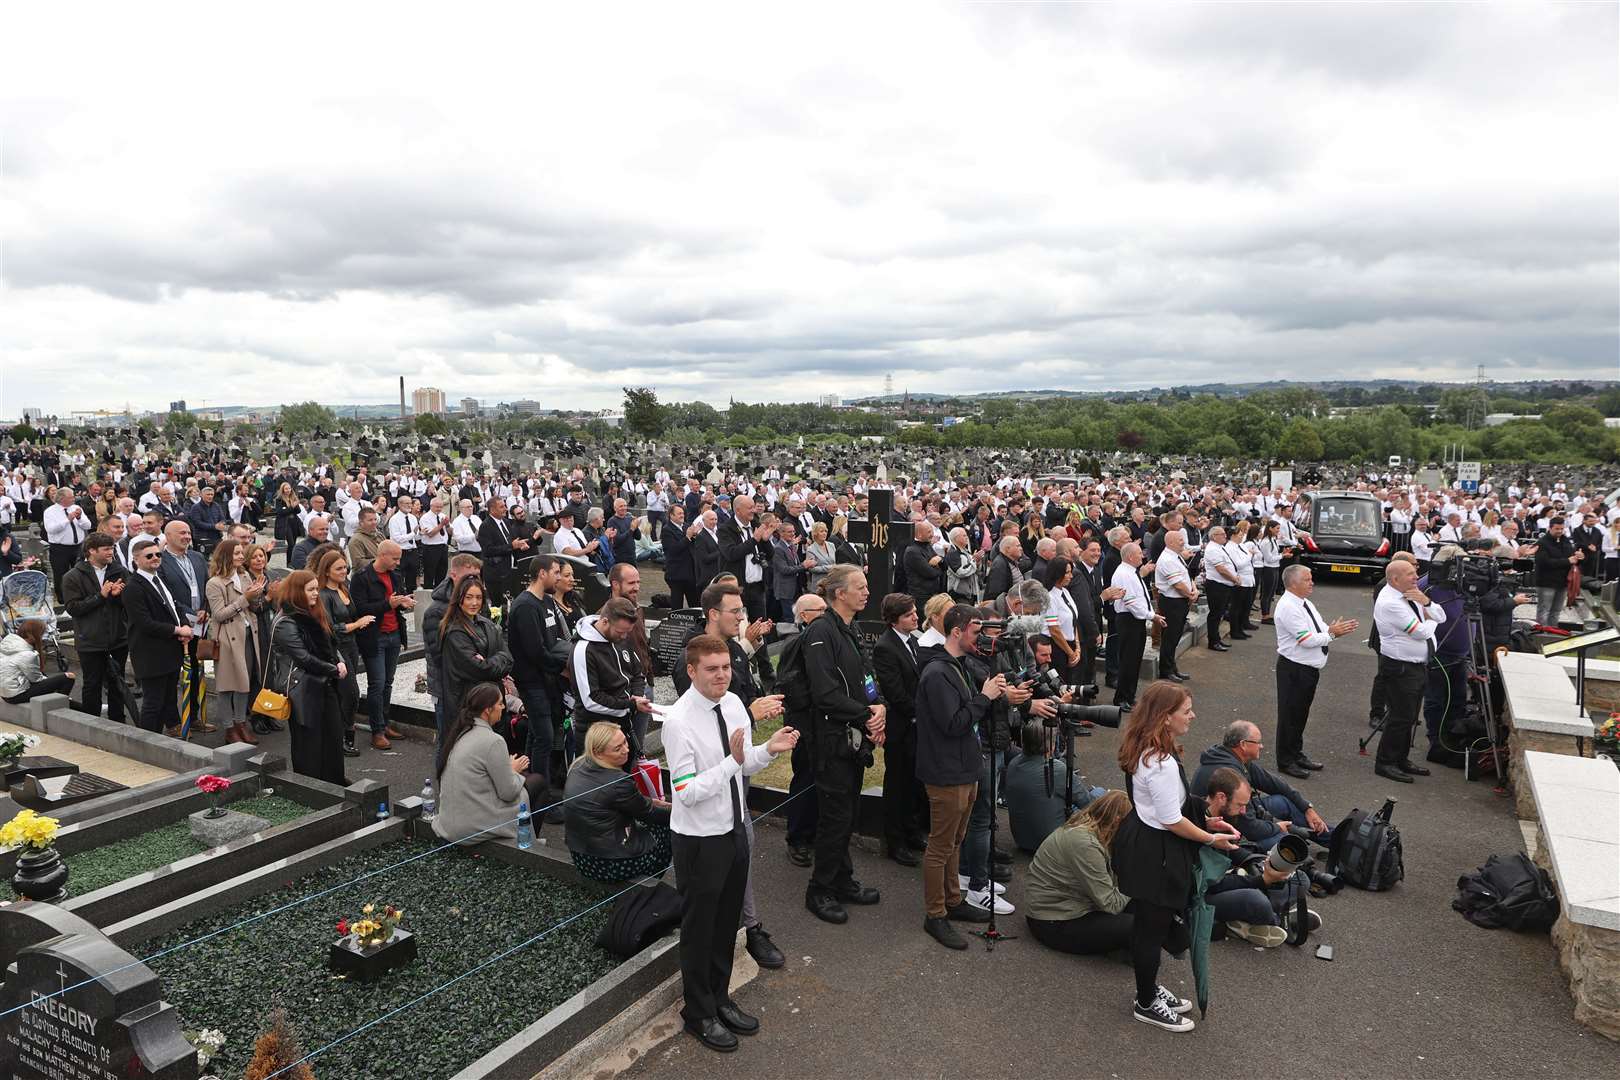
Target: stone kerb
[1542, 717]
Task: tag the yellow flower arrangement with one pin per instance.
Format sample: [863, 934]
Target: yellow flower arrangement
[30, 830]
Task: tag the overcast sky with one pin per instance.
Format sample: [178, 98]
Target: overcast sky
[259, 205]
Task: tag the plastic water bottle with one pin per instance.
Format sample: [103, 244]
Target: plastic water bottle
[525, 827]
[430, 805]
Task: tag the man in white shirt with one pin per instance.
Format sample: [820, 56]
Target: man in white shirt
[66, 526]
[568, 540]
[1303, 637]
[1406, 622]
[434, 543]
[464, 529]
[1133, 611]
[1176, 594]
[1220, 582]
[706, 737]
[402, 530]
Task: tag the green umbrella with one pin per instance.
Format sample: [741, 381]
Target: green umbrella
[1209, 868]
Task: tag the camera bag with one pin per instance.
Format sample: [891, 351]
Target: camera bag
[1366, 850]
[1512, 892]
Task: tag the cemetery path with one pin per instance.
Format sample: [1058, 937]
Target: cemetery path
[1415, 989]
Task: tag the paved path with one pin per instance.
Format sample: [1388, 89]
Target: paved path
[1416, 991]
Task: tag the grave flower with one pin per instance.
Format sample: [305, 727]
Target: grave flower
[13, 744]
[1607, 736]
[30, 830]
[373, 928]
[212, 786]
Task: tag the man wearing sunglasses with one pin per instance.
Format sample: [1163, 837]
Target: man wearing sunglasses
[157, 638]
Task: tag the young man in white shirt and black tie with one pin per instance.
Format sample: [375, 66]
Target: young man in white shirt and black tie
[1133, 612]
[1303, 637]
[706, 735]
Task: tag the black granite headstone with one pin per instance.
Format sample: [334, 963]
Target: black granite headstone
[885, 541]
[668, 639]
[77, 1007]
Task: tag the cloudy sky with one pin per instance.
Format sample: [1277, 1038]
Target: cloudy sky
[773, 202]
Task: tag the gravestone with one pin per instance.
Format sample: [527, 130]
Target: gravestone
[75, 1006]
[885, 541]
[668, 640]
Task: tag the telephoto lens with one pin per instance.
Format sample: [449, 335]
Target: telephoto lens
[1106, 715]
[1290, 854]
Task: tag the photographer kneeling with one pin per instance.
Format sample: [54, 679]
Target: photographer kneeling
[1255, 899]
[1035, 807]
[1277, 808]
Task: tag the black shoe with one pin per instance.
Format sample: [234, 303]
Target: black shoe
[256, 722]
[1410, 769]
[1390, 772]
[1237, 637]
[1220, 646]
[943, 932]
[801, 856]
[1309, 763]
[1251, 627]
[826, 908]
[904, 856]
[1451, 759]
[1296, 770]
[966, 912]
[917, 842]
[763, 950]
[737, 1021]
[350, 750]
[1110, 682]
[856, 893]
[273, 724]
[1124, 707]
[713, 1034]
[1178, 676]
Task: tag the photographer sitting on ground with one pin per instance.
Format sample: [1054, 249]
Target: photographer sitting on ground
[614, 832]
[1072, 902]
[1032, 811]
[1253, 901]
[1279, 806]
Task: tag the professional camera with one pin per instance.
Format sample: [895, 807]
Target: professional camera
[1471, 576]
[1009, 638]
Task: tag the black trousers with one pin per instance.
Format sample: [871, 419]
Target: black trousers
[1151, 929]
[104, 669]
[1237, 610]
[1174, 609]
[803, 811]
[1296, 689]
[410, 565]
[1091, 934]
[1404, 683]
[317, 741]
[838, 790]
[710, 872]
[754, 600]
[160, 702]
[905, 803]
[1132, 643]
[60, 683]
[435, 561]
[1086, 670]
[1220, 600]
[62, 557]
[683, 594]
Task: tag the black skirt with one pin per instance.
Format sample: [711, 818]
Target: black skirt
[1153, 865]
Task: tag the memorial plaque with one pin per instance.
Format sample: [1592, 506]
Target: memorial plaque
[34, 765]
[87, 1010]
[668, 639]
[867, 632]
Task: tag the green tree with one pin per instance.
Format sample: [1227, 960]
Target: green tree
[430, 424]
[1217, 446]
[642, 413]
[307, 416]
[1300, 442]
[1608, 402]
[24, 433]
[180, 420]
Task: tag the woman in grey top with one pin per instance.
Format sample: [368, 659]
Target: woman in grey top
[480, 785]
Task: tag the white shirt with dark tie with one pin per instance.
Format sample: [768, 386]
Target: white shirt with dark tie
[163, 591]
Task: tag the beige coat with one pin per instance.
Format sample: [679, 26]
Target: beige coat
[234, 629]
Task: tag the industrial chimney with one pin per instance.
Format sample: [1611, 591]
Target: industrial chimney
[402, 397]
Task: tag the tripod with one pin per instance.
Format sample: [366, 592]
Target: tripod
[990, 934]
[1479, 688]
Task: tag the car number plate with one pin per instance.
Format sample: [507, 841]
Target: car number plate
[1341, 568]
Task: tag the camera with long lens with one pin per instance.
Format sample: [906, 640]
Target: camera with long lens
[1076, 713]
[1470, 576]
[1007, 639]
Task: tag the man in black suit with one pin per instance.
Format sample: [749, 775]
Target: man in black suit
[185, 572]
[92, 593]
[745, 550]
[894, 660]
[498, 544]
[679, 572]
[158, 634]
[1090, 592]
[706, 551]
[925, 570]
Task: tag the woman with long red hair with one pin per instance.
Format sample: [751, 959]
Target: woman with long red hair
[1156, 845]
[305, 665]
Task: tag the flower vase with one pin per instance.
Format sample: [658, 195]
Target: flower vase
[40, 875]
[213, 806]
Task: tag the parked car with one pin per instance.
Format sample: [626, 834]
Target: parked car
[1344, 533]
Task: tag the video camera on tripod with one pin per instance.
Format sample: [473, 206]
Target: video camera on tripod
[1470, 576]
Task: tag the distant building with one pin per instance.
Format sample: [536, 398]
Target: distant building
[427, 400]
[1497, 419]
[178, 406]
[470, 406]
[32, 412]
[831, 401]
[524, 407]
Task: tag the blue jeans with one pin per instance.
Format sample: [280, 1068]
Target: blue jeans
[1235, 900]
[976, 845]
[1284, 810]
[381, 663]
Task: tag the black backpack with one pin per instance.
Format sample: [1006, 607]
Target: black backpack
[1512, 892]
[1366, 850]
[641, 917]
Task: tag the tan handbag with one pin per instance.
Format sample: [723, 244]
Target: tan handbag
[268, 702]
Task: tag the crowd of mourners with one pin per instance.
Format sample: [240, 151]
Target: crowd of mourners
[282, 583]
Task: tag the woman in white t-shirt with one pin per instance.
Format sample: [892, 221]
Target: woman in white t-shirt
[1156, 846]
[1268, 567]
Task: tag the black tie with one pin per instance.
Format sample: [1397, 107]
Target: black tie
[1419, 613]
[725, 745]
[1314, 623]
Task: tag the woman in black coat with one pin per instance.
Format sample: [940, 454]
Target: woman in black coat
[289, 525]
[473, 649]
[307, 668]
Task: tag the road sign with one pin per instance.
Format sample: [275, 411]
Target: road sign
[1468, 475]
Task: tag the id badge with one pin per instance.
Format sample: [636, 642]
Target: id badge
[871, 690]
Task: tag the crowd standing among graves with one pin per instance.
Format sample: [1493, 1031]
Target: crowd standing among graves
[287, 580]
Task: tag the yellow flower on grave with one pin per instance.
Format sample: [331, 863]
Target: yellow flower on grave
[29, 829]
[368, 909]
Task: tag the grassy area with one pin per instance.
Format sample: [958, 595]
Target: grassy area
[111, 863]
[464, 909]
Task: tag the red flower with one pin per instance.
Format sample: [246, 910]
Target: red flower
[343, 926]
